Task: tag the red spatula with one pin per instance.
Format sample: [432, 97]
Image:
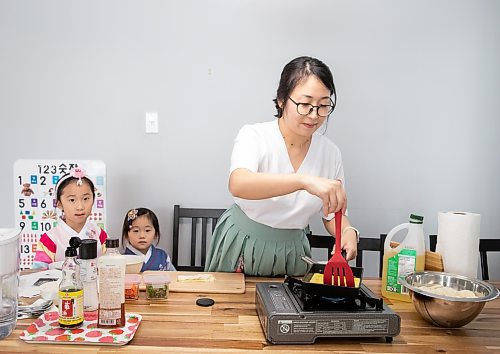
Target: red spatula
[337, 265]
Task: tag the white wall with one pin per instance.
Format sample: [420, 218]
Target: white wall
[417, 117]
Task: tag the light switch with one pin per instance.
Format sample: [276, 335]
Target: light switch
[152, 123]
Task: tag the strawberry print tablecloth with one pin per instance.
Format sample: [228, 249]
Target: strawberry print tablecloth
[46, 330]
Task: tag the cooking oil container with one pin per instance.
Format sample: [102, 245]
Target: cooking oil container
[408, 257]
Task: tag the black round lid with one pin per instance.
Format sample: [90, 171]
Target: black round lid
[112, 243]
[88, 249]
[74, 242]
[205, 302]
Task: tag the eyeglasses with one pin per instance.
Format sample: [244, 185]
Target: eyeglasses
[323, 110]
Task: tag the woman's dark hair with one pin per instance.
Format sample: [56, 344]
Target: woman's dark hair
[67, 180]
[132, 215]
[297, 70]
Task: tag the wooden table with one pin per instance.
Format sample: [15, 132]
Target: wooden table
[231, 325]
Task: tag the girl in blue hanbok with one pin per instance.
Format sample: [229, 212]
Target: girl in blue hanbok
[140, 229]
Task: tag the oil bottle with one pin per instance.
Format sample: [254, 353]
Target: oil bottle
[406, 258]
[71, 289]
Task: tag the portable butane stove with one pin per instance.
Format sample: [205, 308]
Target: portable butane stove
[290, 313]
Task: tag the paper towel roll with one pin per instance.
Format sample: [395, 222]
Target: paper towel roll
[458, 242]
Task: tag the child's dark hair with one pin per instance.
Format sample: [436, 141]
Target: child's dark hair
[65, 180]
[132, 215]
[297, 70]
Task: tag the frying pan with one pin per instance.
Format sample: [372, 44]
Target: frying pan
[326, 290]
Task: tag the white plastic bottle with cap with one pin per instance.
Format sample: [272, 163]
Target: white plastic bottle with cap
[111, 311]
[406, 258]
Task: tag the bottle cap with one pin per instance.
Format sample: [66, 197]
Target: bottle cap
[70, 252]
[416, 219]
[74, 242]
[88, 249]
[112, 243]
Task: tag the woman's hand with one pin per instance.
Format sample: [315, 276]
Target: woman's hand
[256, 185]
[330, 191]
[349, 239]
[349, 244]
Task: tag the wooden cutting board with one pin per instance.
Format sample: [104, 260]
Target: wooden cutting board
[224, 283]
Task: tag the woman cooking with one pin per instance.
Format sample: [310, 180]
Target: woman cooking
[282, 173]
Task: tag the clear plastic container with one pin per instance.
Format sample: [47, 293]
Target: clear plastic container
[9, 280]
[156, 286]
[132, 282]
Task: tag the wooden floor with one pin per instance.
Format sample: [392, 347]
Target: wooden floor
[231, 325]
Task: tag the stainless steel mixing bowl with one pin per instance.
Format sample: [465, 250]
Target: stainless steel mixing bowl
[445, 311]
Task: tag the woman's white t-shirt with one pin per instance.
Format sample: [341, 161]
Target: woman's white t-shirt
[260, 148]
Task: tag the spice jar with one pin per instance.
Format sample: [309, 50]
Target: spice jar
[156, 286]
[132, 282]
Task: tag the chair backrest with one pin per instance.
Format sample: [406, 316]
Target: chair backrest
[365, 244]
[487, 245]
[371, 244]
[433, 242]
[194, 214]
[321, 241]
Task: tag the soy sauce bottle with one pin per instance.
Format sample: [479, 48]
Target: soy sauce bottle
[71, 289]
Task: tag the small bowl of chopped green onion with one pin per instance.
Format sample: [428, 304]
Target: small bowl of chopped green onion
[156, 286]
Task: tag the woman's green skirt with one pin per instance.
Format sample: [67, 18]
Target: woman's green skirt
[262, 250]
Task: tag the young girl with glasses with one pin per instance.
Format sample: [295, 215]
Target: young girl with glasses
[140, 229]
[282, 173]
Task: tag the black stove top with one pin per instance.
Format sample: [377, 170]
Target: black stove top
[364, 300]
[290, 313]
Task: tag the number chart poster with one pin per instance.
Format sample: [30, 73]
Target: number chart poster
[36, 209]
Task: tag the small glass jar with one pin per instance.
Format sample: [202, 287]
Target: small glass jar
[132, 282]
[156, 286]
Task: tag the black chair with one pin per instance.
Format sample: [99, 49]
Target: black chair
[433, 242]
[487, 245]
[194, 214]
[371, 244]
[321, 241]
[365, 244]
